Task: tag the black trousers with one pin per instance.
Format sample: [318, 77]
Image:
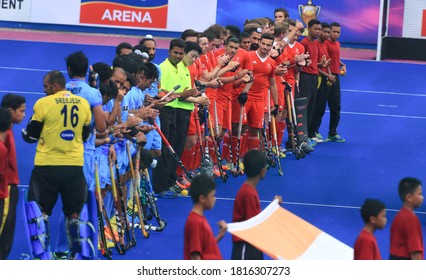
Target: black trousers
[334, 104]
[320, 105]
[245, 251]
[8, 233]
[174, 125]
[308, 84]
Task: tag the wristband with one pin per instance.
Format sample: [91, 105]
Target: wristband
[111, 129]
[111, 138]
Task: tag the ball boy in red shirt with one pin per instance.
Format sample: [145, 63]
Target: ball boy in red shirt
[199, 241]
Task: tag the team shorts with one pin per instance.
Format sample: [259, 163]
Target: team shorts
[89, 170]
[255, 113]
[236, 111]
[47, 182]
[224, 109]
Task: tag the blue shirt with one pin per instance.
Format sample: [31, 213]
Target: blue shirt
[93, 96]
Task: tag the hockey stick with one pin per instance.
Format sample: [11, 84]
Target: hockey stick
[223, 175]
[135, 186]
[170, 92]
[152, 204]
[172, 151]
[117, 207]
[131, 240]
[299, 151]
[102, 242]
[277, 152]
[240, 128]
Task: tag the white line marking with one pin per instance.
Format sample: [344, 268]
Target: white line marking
[22, 92]
[383, 115]
[317, 205]
[385, 92]
[387, 106]
[26, 69]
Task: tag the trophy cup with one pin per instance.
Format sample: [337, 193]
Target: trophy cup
[307, 12]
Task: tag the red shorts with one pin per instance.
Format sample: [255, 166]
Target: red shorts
[192, 128]
[236, 111]
[255, 113]
[224, 107]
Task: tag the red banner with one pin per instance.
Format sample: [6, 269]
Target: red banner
[424, 24]
[106, 13]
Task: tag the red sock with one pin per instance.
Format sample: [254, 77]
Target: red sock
[225, 147]
[253, 143]
[244, 139]
[280, 126]
[234, 140]
[185, 158]
[212, 152]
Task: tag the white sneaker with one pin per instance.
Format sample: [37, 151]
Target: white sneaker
[317, 140]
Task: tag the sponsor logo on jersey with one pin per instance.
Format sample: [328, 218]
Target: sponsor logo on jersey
[67, 135]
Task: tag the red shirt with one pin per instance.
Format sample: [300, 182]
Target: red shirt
[195, 71]
[334, 52]
[365, 247]
[406, 234]
[9, 142]
[262, 71]
[312, 48]
[323, 50]
[297, 49]
[4, 161]
[246, 205]
[198, 238]
[207, 64]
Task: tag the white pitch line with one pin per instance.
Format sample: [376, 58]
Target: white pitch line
[27, 69]
[383, 115]
[386, 92]
[388, 106]
[318, 205]
[22, 92]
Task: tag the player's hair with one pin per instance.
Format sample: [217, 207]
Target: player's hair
[191, 46]
[130, 62]
[108, 89]
[56, 77]
[12, 101]
[201, 185]
[325, 25]
[371, 207]
[5, 119]
[313, 22]
[150, 70]
[252, 27]
[78, 64]
[188, 33]
[254, 161]
[123, 45]
[234, 30]
[176, 43]
[104, 70]
[267, 36]
[244, 35]
[407, 186]
[232, 39]
[280, 28]
[147, 38]
[211, 34]
[334, 24]
[286, 15]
